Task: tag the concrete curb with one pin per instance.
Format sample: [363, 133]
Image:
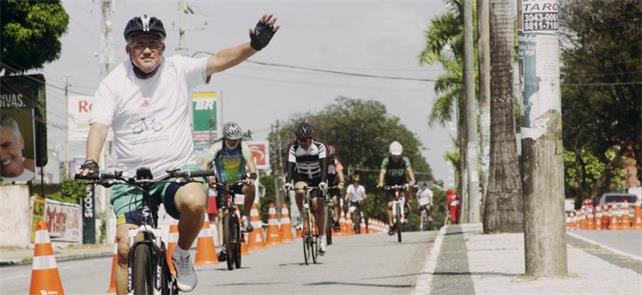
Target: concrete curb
[423, 283]
[616, 251]
[27, 260]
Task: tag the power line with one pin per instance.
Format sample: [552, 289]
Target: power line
[278, 65]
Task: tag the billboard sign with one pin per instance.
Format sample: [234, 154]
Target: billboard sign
[21, 116]
[260, 152]
[205, 114]
[78, 115]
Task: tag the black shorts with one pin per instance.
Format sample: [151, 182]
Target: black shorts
[220, 195]
[391, 193]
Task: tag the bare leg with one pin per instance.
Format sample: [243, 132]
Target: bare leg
[122, 239]
[248, 191]
[190, 201]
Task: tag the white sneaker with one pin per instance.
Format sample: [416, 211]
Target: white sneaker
[185, 275]
[322, 245]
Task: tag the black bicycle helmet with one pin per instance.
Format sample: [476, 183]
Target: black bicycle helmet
[303, 130]
[144, 24]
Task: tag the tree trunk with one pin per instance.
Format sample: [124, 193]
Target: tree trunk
[503, 208]
[483, 54]
[472, 158]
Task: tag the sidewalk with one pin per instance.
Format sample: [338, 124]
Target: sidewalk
[469, 262]
[18, 256]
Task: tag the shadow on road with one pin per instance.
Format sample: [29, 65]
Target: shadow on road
[247, 284]
[361, 285]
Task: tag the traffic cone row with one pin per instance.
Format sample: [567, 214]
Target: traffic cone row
[608, 217]
[205, 253]
[273, 235]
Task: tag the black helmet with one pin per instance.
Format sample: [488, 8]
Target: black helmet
[303, 130]
[144, 24]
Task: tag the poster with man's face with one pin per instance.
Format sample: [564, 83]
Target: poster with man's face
[17, 144]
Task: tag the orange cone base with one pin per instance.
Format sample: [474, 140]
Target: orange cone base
[45, 281]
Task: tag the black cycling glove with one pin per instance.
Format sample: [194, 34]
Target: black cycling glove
[92, 166]
[261, 36]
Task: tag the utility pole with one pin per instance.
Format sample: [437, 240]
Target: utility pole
[184, 9]
[544, 233]
[107, 52]
[66, 161]
[474, 212]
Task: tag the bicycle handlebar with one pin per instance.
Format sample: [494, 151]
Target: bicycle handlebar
[398, 187]
[108, 179]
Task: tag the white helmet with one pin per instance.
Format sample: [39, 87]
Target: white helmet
[232, 131]
[396, 149]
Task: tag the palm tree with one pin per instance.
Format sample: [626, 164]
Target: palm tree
[503, 205]
[445, 45]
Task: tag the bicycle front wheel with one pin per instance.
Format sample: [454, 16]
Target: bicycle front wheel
[398, 222]
[307, 238]
[143, 271]
[237, 242]
[228, 240]
[329, 224]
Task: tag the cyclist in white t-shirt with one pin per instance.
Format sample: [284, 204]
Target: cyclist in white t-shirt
[146, 102]
[424, 198]
[355, 197]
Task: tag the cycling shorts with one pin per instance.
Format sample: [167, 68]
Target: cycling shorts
[127, 200]
[220, 195]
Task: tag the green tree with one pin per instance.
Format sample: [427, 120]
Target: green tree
[71, 191]
[30, 33]
[601, 58]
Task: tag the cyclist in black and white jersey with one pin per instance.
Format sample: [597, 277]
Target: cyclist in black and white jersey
[308, 166]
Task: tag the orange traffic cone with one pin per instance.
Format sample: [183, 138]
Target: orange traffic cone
[205, 253]
[273, 235]
[626, 220]
[114, 264]
[345, 226]
[637, 216]
[255, 238]
[590, 221]
[362, 227]
[172, 240]
[286, 226]
[614, 223]
[45, 278]
[598, 218]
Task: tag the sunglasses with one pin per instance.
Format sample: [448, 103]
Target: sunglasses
[154, 45]
[306, 139]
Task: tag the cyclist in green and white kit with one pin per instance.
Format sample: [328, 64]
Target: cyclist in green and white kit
[232, 159]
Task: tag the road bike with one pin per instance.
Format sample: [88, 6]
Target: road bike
[233, 237]
[425, 220]
[398, 206]
[356, 216]
[148, 271]
[309, 230]
[329, 216]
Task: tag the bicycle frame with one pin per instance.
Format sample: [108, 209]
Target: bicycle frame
[147, 234]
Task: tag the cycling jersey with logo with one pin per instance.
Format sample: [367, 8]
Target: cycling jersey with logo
[150, 117]
[308, 161]
[395, 171]
[229, 164]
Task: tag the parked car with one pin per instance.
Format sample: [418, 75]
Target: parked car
[618, 200]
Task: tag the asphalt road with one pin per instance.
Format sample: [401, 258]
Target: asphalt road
[366, 264]
[628, 241]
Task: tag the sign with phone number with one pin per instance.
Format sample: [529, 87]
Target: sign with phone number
[540, 21]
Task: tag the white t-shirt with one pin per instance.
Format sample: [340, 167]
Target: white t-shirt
[150, 117]
[425, 197]
[355, 194]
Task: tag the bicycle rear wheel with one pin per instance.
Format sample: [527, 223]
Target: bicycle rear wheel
[143, 270]
[314, 248]
[228, 241]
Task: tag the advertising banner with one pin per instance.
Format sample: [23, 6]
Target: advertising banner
[63, 221]
[21, 115]
[205, 114]
[539, 66]
[260, 152]
[37, 215]
[78, 115]
[89, 216]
